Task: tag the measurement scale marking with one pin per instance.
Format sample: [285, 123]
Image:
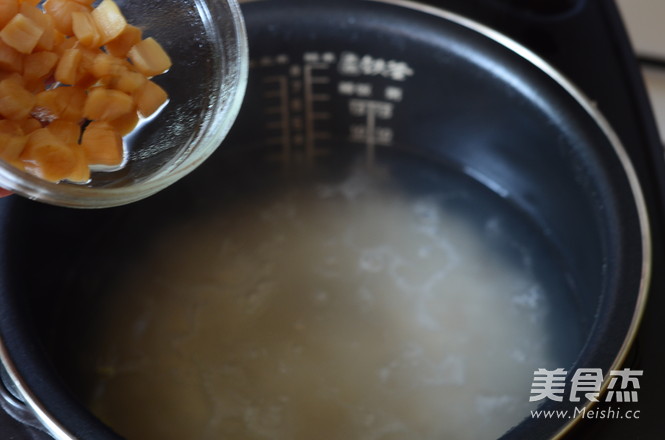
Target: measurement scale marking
[286, 117]
[282, 110]
[370, 140]
[320, 80]
[309, 120]
[309, 81]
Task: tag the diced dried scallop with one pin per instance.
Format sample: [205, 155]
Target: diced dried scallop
[74, 79]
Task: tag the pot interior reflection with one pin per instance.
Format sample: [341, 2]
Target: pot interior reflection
[397, 299]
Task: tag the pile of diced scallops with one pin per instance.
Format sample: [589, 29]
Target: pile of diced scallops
[74, 79]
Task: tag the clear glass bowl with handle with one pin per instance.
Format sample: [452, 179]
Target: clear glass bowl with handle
[207, 43]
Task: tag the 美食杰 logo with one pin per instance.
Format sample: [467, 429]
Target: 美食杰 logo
[586, 383]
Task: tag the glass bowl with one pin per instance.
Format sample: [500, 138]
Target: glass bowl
[207, 43]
